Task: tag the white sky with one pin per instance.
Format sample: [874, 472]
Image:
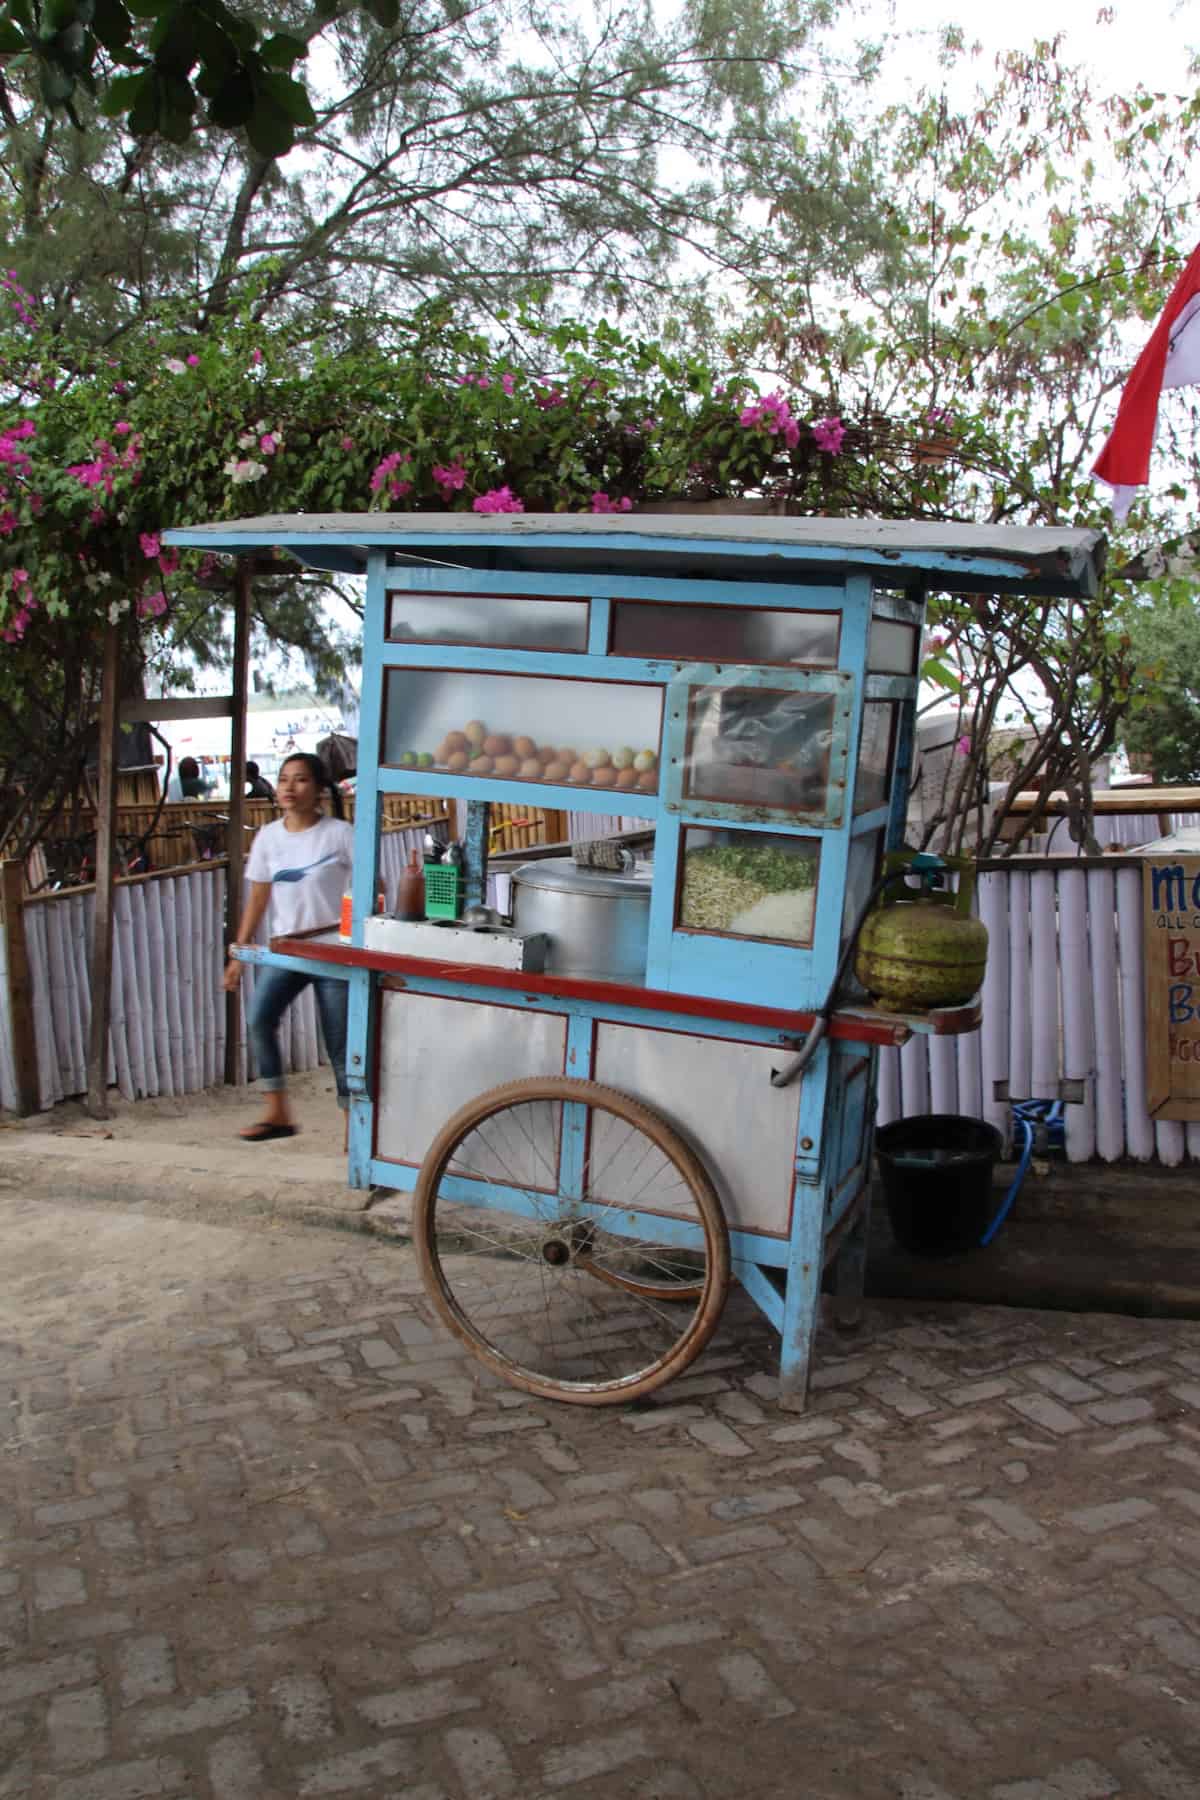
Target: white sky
[1123, 42]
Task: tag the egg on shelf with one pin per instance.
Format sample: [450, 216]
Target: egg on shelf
[475, 732]
[580, 774]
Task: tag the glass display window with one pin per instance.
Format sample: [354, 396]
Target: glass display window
[892, 646]
[602, 735]
[499, 621]
[725, 634]
[759, 746]
[862, 867]
[876, 753]
[748, 884]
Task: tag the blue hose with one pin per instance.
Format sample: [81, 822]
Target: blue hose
[1027, 1116]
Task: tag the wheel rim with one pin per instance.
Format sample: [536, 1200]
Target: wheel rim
[572, 1240]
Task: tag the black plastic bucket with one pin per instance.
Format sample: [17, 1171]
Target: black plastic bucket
[937, 1181]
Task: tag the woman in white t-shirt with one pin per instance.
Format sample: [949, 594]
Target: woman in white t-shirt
[299, 866]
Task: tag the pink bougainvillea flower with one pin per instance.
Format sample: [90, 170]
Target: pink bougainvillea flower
[8, 523]
[256, 355]
[193, 361]
[386, 469]
[20, 578]
[96, 516]
[268, 443]
[347, 443]
[398, 489]
[150, 542]
[122, 428]
[828, 435]
[604, 503]
[963, 746]
[498, 500]
[545, 398]
[168, 560]
[152, 606]
[508, 381]
[451, 478]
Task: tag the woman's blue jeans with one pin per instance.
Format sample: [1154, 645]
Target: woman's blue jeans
[274, 991]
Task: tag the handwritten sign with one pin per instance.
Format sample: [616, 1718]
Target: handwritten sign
[1171, 934]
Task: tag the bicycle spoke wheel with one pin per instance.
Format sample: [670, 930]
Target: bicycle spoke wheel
[572, 1239]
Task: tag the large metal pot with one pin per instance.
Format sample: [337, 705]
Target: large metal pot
[596, 923]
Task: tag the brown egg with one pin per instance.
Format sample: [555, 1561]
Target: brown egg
[648, 781]
[497, 744]
[531, 769]
[547, 756]
[506, 765]
[457, 761]
[580, 774]
[480, 765]
[626, 778]
[606, 777]
[524, 747]
[555, 771]
[454, 740]
[475, 732]
[568, 756]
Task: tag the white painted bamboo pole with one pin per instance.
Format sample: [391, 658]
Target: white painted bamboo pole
[171, 976]
[1169, 1142]
[61, 980]
[943, 1075]
[9, 1096]
[157, 964]
[47, 1062]
[1020, 1020]
[887, 1104]
[1139, 1129]
[81, 937]
[1043, 999]
[125, 927]
[1106, 1014]
[1191, 1137]
[993, 1035]
[967, 1054]
[211, 929]
[914, 1078]
[118, 1036]
[216, 967]
[187, 1009]
[1078, 1026]
[145, 918]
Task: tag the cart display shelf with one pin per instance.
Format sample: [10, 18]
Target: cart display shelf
[592, 1161]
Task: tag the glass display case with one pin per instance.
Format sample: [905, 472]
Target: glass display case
[892, 646]
[748, 884]
[490, 621]
[758, 746]
[733, 634]
[876, 752]
[568, 733]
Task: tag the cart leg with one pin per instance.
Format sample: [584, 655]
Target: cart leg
[802, 1302]
[850, 1270]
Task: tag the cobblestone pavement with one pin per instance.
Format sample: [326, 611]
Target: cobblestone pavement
[264, 1533]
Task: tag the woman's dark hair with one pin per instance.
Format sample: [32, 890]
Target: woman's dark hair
[320, 774]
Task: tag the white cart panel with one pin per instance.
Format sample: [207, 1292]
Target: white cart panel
[436, 1054]
[719, 1093]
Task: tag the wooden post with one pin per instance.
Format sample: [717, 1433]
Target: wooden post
[102, 922]
[234, 882]
[20, 988]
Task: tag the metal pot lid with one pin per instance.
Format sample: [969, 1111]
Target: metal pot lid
[560, 875]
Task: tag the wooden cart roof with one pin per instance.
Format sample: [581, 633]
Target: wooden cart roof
[1026, 559]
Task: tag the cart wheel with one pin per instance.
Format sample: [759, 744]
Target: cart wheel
[552, 1217]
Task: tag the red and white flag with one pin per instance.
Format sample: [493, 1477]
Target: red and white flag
[1171, 359]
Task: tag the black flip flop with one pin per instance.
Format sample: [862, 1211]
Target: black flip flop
[262, 1134]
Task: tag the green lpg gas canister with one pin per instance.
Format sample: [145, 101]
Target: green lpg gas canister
[923, 948]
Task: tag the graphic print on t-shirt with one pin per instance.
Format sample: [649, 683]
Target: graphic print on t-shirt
[299, 874]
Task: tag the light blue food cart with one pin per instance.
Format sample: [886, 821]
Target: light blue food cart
[596, 1148]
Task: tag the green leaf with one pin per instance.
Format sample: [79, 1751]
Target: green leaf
[269, 129]
[233, 102]
[384, 12]
[148, 9]
[110, 24]
[12, 42]
[282, 50]
[289, 96]
[123, 93]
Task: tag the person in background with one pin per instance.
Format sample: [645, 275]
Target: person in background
[299, 866]
[257, 786]
[187, 783]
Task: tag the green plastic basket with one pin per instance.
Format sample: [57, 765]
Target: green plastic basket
[443, 890]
